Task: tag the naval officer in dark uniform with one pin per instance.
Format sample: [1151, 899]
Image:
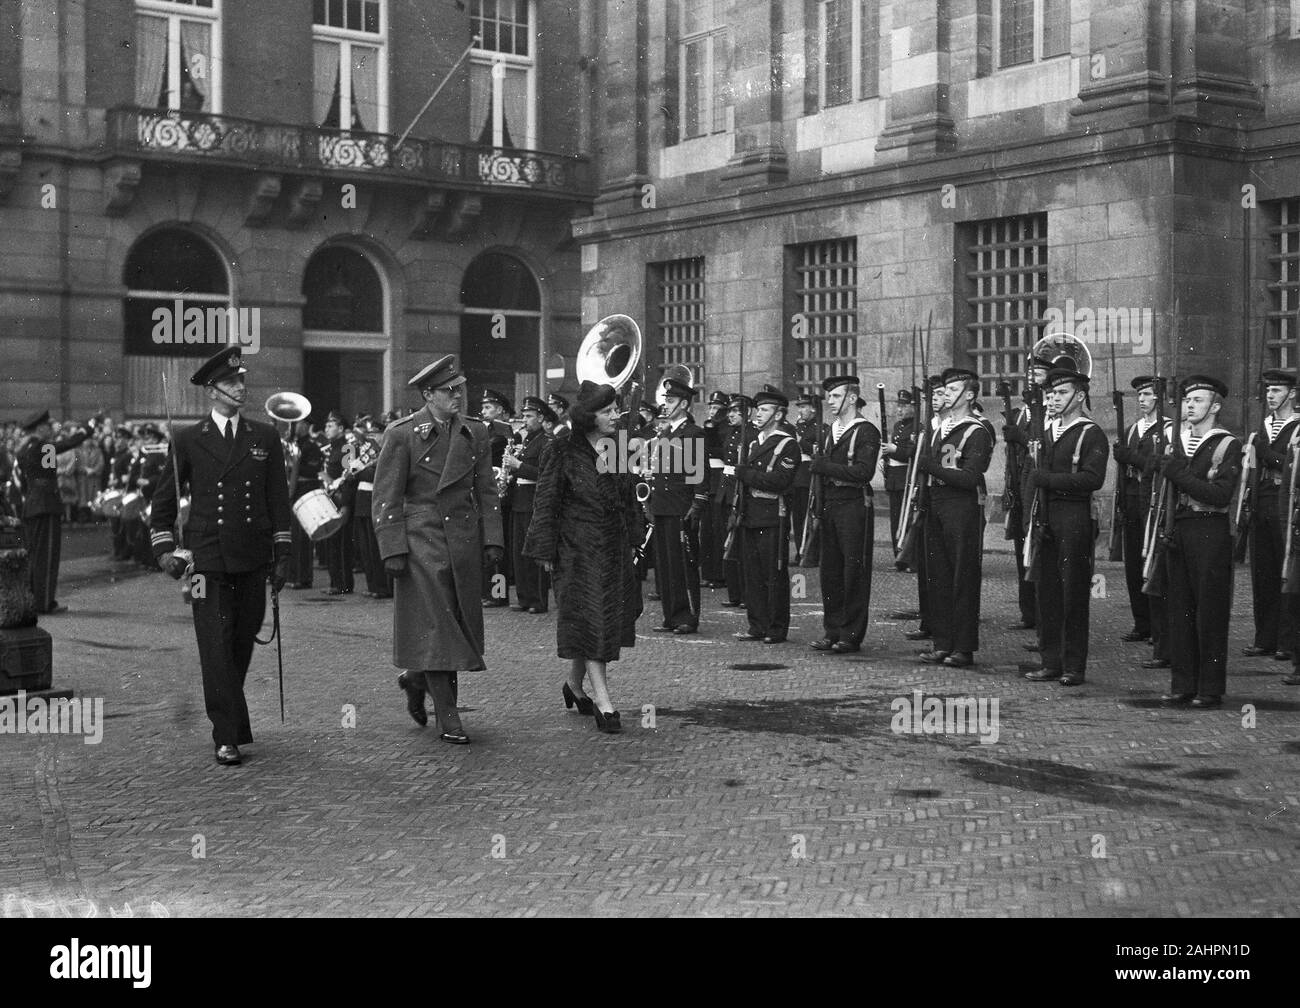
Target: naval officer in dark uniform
[42, 515]
[532, 583]
[238, 531]
[677, 506]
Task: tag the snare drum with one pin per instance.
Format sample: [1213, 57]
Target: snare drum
[317, 515]
[132, 506]
[110, 503]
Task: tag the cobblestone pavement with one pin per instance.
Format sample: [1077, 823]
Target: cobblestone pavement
[770, 784]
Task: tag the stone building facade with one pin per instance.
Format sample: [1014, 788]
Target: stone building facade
[194, 156]
[788, 188]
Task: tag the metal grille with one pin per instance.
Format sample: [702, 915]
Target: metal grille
[826, 296]
[1006, 295]
[680, 315]
[1284, 283]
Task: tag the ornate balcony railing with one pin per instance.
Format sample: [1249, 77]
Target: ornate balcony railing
[200, 136]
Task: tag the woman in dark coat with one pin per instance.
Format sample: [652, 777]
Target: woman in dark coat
[586, 525]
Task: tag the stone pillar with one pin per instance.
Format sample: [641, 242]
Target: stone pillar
[920, 121]
[757, 96]
[1211, 73]
[620, 83]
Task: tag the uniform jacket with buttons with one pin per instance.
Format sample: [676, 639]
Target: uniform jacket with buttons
[670, 493]
[38, 469]
[239, 500]
[530, 468]
[904, 440]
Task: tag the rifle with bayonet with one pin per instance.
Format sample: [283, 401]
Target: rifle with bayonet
[1250, 474]
[1037, 519]
[1117, 516]
[1013, 507]
[1291, 554]
[809, 539]
[909, 523]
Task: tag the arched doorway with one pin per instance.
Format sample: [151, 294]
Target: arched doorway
[500, 327]
[178, 290]
[345, 334]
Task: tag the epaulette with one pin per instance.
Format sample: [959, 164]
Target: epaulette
[401, 420]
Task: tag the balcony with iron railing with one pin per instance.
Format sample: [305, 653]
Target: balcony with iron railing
[203, 138]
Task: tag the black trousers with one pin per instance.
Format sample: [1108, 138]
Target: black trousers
[378, 580]
[848, 536]
[1134, 530]
[496, 576]
[1199, 600]
[954, 567]
[1065, 586]
[922, 592]
[118, 529]
[679, 577]
[301, 560]
[1274, 620]
[226, 619]
[339, 559]
[764, 552]
[716, 570]
[532, 584]
[43, 535]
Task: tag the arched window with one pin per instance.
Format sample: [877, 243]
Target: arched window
[344, 337]
[500, 330]
[343, 292]
[174, 315]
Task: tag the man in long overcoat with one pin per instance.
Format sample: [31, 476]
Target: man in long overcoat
[436, 512]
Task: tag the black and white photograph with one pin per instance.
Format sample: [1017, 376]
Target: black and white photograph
[652, 459]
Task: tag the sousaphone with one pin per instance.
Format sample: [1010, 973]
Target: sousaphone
[1064, 350]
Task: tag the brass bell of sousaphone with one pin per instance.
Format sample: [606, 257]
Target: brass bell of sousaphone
[1064, 350]
[610, 352]
[288, 407]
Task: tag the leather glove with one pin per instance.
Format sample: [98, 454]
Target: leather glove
[1174, 466]
[692, 516]
[279, 574]
[494, 554]
[173, 565]
[1120, 453]
[818, 466]
[396, 565]
[1013, 434]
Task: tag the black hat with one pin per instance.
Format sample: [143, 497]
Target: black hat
[934, 381]
[953, 374]
[1143, 382]
[769, 394]
[442, 373]
[1042, 361]
[804, 399]
[493, 396]
[905, 397]
[121, 431]
[719, 398]
[34, 420]
[672, 387]
[1275, 376]
[559, 400]
[835, 381]
[1061, 375]
[593, 398]
[539, 407]
[1197, 383]
[740, 401]
[225, 363]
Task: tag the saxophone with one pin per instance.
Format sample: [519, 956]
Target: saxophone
[513, 450]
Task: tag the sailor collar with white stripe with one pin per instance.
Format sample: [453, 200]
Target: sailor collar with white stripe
[1200, 441]
[1058, 430]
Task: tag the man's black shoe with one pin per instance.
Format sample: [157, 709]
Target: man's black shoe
[917, 635]
[904, 614]
[1043, 675]
[1072, 679]
[730, 605]
[960, 659]
[1255, 651]
[228, 755]
[932, 657]
[846, 647]
[773, 640]
[1283, 656]
[1293, 679]
[414, 700]
[1022, 625]
[1134, 637]
[685, 628]
[662, 629]
[1176, 699]
[825, 644]
[1155, 663]
[1207, 702]
[746, 636]
[1032, 647]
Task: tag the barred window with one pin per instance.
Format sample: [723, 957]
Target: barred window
[1284, 283]
[1005, 296]
[825, 288]
[1031, 30]
[678, 293]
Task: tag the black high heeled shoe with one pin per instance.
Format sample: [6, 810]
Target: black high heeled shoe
[585, 706]
[608, 723]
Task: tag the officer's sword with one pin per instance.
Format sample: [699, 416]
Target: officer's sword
[180, 550]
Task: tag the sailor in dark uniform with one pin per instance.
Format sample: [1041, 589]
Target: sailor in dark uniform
[896, 455]
[494, 412]
[1017, 433]
[959, 455]
[808, 428]
[238, 533]
[338, 547]
[367, 439]
[845, 465]
[532, 583]
[1275, 616]
[712, 532]
[1203, 471]
[938, 397]
[37, 470]
[1133, 487]
[740, 406]
[766, 477]
[119, 470]
[560, 407]
[677, 505]
[1072, 468]
[305, 474]
[143, 478]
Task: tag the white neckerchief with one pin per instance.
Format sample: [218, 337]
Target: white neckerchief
[221, 422]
